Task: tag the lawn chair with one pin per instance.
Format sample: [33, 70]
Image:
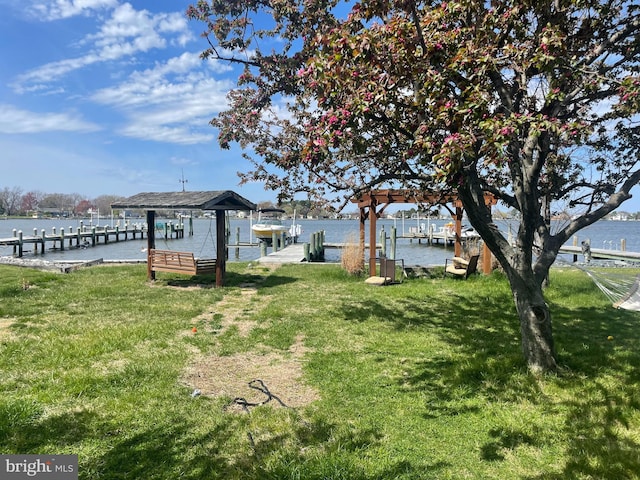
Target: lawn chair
[460, 267]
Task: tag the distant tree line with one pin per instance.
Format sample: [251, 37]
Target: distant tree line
[15, 202]
[300, 208]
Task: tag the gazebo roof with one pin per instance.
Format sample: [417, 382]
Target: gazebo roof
[213, 200]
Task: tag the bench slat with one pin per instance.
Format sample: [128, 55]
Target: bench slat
[180, 262]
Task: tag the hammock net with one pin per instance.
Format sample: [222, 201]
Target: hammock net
[621, 286]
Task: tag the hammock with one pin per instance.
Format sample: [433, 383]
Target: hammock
[622, 288]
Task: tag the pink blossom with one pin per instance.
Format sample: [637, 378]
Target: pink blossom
[452, 138]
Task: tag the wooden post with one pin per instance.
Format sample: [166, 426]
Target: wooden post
[20, 244]
[383, 242]
[457, 249]
[363, 217]
[62, 239]
[44, 241]
[394, 236]
[237, 243]
[307, 252]
[274, 241]
[221, 251]
[151, 241]
[263, 249]
[486, 259]
[372, 237]
[312, 246]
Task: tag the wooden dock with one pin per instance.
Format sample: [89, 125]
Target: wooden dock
[602, 254]
[83, 237]
[292, 253]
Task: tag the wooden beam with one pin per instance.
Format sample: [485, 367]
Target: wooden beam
[372, 238]
[457, 246]
[486, 259]
[221, 249]
[151, 241]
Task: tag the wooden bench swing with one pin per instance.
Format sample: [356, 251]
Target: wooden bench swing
[218, 201]
[180, 262]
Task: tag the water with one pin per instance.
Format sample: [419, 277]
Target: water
[603, 234]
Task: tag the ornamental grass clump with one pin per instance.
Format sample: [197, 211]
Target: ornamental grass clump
[352, 259]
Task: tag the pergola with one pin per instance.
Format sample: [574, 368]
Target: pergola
[369, 203]
[218, 201]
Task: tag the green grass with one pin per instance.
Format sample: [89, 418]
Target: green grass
[419, 380]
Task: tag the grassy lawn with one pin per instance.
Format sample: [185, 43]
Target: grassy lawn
[419, 380]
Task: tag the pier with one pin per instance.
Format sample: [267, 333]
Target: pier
[589, 253]
[295, 252]
[292, 253]
[602, 254]
[84, 237]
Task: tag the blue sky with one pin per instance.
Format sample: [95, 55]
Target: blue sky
[109, 97]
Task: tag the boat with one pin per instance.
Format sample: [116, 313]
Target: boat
[268, 223]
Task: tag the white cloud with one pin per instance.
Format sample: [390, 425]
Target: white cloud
[161, 133]
[126, 33]
[172, 102]
[59, 9]
[14, 120]
[172, 81]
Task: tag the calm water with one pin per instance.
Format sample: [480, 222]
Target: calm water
[603, 234]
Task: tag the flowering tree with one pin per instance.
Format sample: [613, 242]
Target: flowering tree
[535, 102]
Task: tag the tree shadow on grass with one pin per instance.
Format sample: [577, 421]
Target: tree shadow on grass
[598, 429]
[176, 448]
[232, 279]
[29, 431]
[175, 452]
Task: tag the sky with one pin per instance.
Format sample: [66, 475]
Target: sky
[108, 97]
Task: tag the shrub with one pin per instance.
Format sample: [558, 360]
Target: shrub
[352, 259]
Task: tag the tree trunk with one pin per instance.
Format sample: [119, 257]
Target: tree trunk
[535, 326]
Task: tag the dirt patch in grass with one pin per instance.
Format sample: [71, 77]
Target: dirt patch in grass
[5, 328]
[230, 376]
[234, 310]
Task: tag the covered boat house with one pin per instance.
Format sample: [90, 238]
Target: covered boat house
[216, 201]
